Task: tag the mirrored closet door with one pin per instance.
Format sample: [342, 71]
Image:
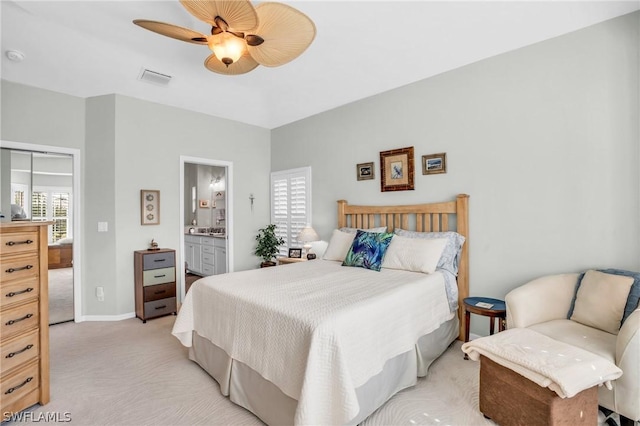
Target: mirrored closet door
[37, 186]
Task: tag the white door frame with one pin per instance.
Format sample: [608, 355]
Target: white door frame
[229, 222]
[77, 201]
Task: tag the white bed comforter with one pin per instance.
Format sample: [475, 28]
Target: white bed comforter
[317, 330]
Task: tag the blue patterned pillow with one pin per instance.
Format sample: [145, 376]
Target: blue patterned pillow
[368, 249]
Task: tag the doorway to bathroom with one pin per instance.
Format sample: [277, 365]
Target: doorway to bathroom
[206, 228]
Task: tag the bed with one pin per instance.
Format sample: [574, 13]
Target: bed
[318, 343]
[61, 254]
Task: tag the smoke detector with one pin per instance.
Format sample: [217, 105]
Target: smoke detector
[15, 55]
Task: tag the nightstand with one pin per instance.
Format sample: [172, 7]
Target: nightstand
[485, 306]
[287, 260]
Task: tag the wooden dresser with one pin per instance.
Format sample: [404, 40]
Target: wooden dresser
[155, 283]
[24, 309]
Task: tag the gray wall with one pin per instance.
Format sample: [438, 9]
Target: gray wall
[544, 139]
[127, 145]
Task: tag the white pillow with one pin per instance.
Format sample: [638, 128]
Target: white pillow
[414, 254]
[601, 299]
[339, 245]
[354, 230]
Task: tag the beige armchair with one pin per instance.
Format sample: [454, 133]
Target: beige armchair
[543, 304]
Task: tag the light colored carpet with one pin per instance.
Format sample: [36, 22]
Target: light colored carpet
[60, 295]
[129, 373]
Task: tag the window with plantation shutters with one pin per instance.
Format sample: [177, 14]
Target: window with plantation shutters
[290, 205]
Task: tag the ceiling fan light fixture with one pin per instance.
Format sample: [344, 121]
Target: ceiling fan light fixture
[227, 47]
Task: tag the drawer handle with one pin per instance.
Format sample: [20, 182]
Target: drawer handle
[161, 307]
[13, 243]
[159, 276]
[12, 354]
[11, 322]
[159, 260]
[11, 270]
[15, 293]
[19, 386]
[159, 291]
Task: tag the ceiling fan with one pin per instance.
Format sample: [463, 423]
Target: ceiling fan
[243, 37]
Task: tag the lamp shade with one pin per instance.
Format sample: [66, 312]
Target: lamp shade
[308, 234]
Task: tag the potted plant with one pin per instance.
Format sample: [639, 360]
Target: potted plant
[268, 243]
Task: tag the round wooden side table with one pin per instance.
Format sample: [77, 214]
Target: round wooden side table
[485, 306]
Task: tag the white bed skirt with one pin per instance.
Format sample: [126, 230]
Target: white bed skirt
[245, 387]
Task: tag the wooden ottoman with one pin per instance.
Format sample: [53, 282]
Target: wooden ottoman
[508, 398]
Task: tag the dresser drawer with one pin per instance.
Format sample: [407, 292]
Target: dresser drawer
[18, 242]
[207, 249]
[18, 291]
[207, 258]
[19, 351]
[158, 260]
[160, 291]
[19, 319]
[160, 307]
[15, 268]
[158, 276]
[19, 384]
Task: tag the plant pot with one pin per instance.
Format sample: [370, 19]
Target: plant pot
[267, 264]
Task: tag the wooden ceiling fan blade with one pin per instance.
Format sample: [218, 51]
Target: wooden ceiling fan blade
[286, 32]
[173, 31]
[241, 66]
[239, 15]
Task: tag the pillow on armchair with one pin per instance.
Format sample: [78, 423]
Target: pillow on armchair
[601, 299]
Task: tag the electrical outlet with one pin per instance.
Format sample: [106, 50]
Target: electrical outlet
[100, 294]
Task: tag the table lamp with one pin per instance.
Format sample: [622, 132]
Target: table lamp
[307, 235]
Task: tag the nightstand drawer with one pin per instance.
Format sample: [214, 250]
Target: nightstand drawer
[160, 307]
[19, 351]
[160, 291]
[19, 291]
[19, 384]
[19, 319]
[16, 268]
[18, 242]
[158, 260]
[158, 276]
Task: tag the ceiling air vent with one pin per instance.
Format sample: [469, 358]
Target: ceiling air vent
[154, 77]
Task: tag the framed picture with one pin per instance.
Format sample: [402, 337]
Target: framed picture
[365, 171]
[434, 164]
[296, 253]
[396, 169]
[204, 204]
[149, 207]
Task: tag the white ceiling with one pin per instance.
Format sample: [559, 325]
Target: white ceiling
[90, 48]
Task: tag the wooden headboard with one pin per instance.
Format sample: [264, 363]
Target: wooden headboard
[432, 217]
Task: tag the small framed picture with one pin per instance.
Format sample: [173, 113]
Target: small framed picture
[396, 170]
[149, 207]
[365, 171]
[204, 204]
[295, 253]
[434, 164]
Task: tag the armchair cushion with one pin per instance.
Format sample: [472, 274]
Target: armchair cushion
[601, 299]
[633, 300]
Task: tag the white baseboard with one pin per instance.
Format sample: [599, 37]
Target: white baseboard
[106, 317]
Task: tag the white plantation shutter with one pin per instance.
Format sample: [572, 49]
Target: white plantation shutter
[290, 204]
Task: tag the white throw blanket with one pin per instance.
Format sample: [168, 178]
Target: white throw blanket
[565, 369]
[316, 329]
